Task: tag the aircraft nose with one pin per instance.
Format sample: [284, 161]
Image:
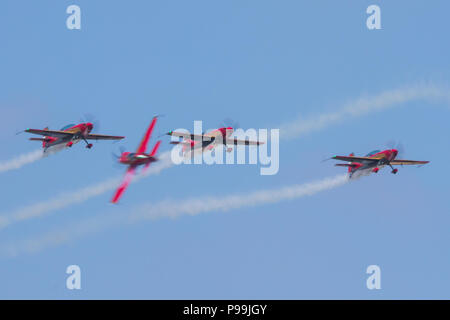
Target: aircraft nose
[89, 126]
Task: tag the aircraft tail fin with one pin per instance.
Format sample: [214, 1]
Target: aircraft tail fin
[350, 167]
[44, 140]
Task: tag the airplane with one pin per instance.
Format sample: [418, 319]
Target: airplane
[373, 161]
[69, 135]
[133, 160]
[198, 143]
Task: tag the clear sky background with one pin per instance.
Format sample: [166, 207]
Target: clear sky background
[261, 63]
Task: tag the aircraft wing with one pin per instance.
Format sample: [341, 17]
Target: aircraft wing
[155, 149]
[143, 145]
[355, 159]
[123, 186]
[191, 136]
[246, 142]
[408, 162]
[50, 133]
[103, 137]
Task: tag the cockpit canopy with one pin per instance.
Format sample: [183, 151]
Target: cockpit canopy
[372, 153]
[67, 127]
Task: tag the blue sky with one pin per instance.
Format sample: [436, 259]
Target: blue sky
[261, 63]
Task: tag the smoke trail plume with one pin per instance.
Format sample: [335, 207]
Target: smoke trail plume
[363, 106]
[69, 198]
[20, 161]
[174, 209]
[360, 107]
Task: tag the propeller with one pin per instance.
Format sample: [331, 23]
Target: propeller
[88, 117]
[392, 144]
[115, 162]
[121, 150]
[116, 157]
[228, 122]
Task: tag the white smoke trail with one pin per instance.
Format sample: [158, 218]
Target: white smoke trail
[69, 198]
[173, 209]
[359, 107]
[363, 106]
[20, 161]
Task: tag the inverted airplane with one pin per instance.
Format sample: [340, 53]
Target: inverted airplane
[373, 161]
[69, 135]
[199, 143]
[133, 160]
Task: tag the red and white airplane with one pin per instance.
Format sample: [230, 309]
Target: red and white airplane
[135, 159]
[69, 135]
[373, 161]
[198, 143]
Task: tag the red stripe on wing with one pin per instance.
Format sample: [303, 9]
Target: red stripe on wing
[123, 186]
[143, 145]
[155, 148]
